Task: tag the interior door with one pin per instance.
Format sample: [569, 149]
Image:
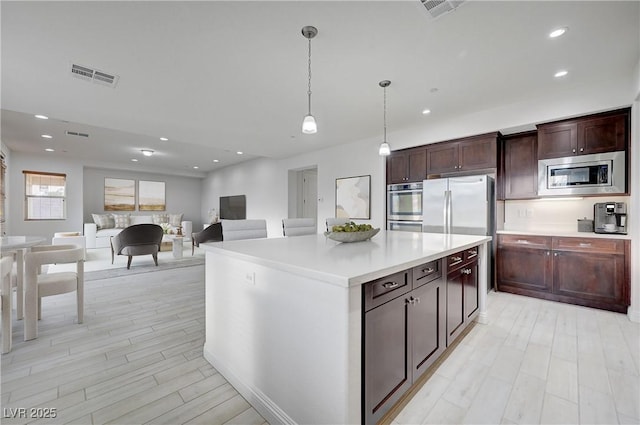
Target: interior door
[310, 194]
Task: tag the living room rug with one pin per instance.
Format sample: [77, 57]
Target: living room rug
[98, 263]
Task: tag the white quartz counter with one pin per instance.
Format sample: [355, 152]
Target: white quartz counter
[346, 264]
[575, 234]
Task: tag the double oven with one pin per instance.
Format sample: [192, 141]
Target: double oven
[404, 207]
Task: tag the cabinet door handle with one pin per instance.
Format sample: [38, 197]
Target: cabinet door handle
[456, 260]
[585, 245]
[548, 253]
[472, 254]
[427, 270]
[522, 241]
[417, 300]
[390, 285]
[581, 149]
[555, 254]
[573, 150]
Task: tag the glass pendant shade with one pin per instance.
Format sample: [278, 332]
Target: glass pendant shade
[384, 149]
[309, 125]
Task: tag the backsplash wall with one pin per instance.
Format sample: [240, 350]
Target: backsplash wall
[554, 214]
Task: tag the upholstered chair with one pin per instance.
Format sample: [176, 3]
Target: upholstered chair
[212, 233]
[6, 265]
[298, 226]
[138, 239]
[338, 221]
[243, 229]
[38, 285]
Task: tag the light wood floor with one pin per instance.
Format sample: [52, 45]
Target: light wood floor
[137, 359]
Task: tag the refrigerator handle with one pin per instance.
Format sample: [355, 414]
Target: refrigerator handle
[449, 206]
[445, 211]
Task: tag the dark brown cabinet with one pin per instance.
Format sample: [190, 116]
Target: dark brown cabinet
[606, 132]
[520, 175]
[404, 333]
[407, 166]
[462, 291]
[592, 272]
[471, 153]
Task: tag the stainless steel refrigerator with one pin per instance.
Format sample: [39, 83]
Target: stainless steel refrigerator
[461, 205]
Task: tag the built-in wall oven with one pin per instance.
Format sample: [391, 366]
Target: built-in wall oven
[404, 207]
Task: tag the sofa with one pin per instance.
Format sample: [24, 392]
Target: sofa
[98, 233]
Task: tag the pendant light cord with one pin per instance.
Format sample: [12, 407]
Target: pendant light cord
[385, 114]
[309, 87]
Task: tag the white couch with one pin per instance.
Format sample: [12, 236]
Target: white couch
[100, 238]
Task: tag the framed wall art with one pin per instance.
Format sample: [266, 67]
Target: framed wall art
[151, 196]
[353, 197]
[119, 194]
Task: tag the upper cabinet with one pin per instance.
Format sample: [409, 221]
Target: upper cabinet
[606, 132]
[407, 166]
[471, 153]
[520, 166]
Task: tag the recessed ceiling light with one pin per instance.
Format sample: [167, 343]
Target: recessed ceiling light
[558, 32]
[239, 152]
[561, 73]
[134, 160]
[195, 167]
[49, 150]
[47, 136]
[216, 160]
[146, 152]
[164, 139]
[42, 117]
[426, 111]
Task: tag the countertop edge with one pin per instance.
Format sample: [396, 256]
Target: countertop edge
[564, 234]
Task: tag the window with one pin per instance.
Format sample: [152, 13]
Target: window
[44, 195]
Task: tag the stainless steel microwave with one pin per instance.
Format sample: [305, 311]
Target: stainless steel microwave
[582, 174]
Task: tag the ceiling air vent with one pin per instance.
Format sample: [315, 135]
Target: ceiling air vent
[438, 8]
[89, 74]
[75, 133]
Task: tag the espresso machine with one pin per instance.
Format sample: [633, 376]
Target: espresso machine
[610, 217]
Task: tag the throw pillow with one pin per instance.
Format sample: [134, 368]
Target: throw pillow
[104, 221]
[160, 218]
[175, 220]
[121, 220]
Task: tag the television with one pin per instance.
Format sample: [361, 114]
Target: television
[233, 207]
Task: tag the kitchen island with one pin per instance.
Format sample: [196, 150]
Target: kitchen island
[284, 316]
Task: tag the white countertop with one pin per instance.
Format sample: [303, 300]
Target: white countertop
[575, 234]
[347, 264]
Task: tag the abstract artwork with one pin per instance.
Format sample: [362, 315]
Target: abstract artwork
[119, 194]
[352, 197]
[151, 196]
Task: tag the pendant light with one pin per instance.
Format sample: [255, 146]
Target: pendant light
[384, 149]
[309, 125]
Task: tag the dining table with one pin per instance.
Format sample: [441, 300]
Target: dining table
[19, 245]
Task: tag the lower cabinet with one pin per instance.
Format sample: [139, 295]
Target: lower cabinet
[403, 335]
[592, 272]
[409, 319]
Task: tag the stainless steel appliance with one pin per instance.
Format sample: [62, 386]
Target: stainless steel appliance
[404, 207]
[610, 217]
[461, 205]
[582, 174]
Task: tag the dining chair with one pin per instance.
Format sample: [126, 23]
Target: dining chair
[233, 230]
[6, 265]
[39, 285]
[299, 226]
[336, 221]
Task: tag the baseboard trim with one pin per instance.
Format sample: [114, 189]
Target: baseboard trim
[269, 410]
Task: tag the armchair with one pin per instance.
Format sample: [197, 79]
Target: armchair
[139, 239]
[211, 233]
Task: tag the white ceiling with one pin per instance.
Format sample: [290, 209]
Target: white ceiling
[216, 77]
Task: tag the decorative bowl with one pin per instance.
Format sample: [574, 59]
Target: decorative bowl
[352, 236]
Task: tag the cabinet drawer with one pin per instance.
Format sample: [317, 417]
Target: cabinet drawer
[426, 273]
[380, 291]
[612, 246]
[470, 254]
[528, 241]
[455, 260]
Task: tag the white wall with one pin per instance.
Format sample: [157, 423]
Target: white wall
[73, 170]
[182, 194]
[265, 182]
[634, 309]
